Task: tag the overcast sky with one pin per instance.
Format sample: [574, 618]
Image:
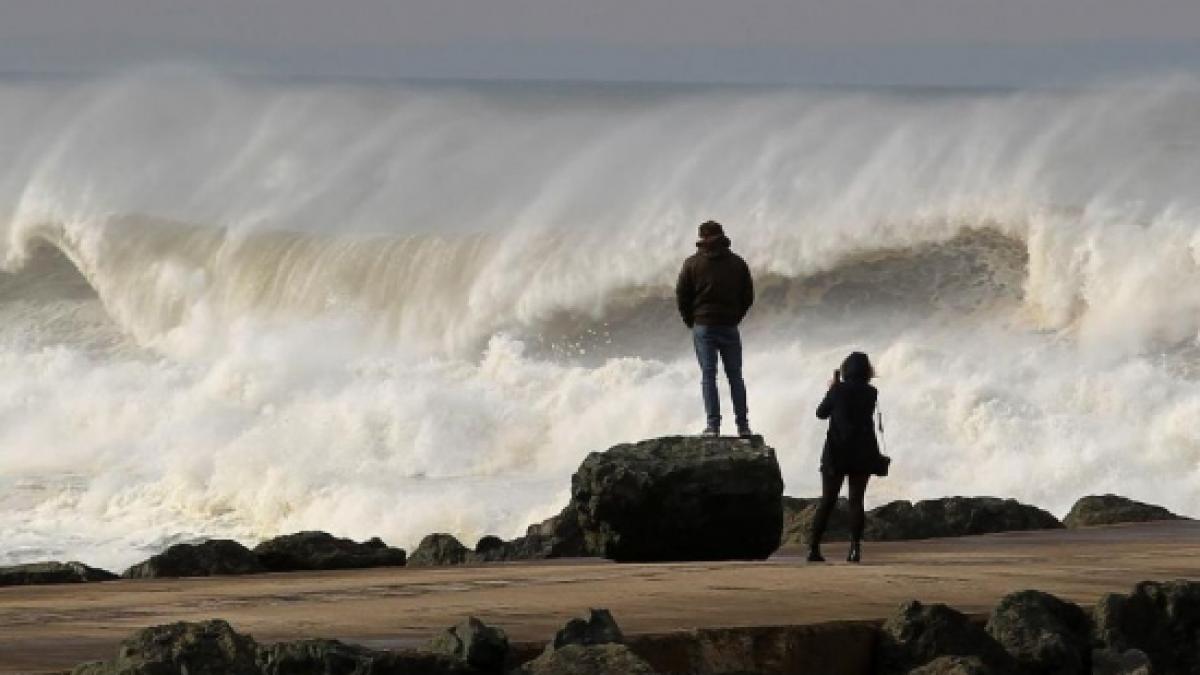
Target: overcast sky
[951, 42]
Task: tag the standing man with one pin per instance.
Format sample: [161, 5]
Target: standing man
[714, 293]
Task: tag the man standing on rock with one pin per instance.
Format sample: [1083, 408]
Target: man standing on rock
[714, 293]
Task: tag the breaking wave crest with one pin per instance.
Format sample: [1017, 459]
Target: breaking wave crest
[438, 294]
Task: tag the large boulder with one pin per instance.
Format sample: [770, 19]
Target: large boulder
[440, 549]
[206, 648]
[52, 573]
[332, 657]
[954, 517]
[475, 643]
[1160, 619]
[681, 498]
[1113, 509]
[323, 551]
[1046, 635]
[798, 514]
[917, 634]
[214, 557]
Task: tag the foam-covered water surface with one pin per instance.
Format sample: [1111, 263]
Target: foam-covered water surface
[236, 307]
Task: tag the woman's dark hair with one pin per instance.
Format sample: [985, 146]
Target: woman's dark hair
[857, 368]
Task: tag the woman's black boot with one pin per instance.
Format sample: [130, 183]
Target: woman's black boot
[855, 554]
[814, 553]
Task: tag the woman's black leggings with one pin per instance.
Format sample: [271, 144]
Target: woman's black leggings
[831, 485]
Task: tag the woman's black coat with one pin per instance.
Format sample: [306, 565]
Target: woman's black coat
[850, 444]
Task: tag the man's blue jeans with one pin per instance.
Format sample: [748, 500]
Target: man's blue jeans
[711, 341]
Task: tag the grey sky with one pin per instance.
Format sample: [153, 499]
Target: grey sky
[980, 42]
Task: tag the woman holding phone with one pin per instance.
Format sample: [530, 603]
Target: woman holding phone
[851, 450]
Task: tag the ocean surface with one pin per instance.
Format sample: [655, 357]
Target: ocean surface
[237, 307]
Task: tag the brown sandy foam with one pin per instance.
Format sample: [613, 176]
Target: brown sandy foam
[46, 628]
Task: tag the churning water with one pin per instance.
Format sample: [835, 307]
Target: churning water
[241, 308]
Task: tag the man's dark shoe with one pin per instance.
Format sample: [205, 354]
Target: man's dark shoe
[855, 554]
[710, 432]
[814, 554]
[744, 431]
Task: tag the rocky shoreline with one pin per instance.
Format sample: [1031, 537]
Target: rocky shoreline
[672, 498]
[1154, 628]
[685, 499]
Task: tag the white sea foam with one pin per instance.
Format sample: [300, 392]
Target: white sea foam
[242, 308]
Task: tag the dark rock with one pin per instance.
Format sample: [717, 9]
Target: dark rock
[214, 557]
[556, 537]
[562, 535]
[956, 665]
[1112, 662]
[592, 646]
[900, 520]
[598, 629]
[207, 648]
[1161, 619]
[954, 517]
[918, 634]
[323, 551]
[798, 514]
[480, 646]
[487, 546]
[1112, 509]
[820, 649]
[1047, 636]
[440, 549]
[315, 657]
[606, 659]
[331, 657]
[495, 549]
[52, 573]
[681, 498]
[521, 548]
